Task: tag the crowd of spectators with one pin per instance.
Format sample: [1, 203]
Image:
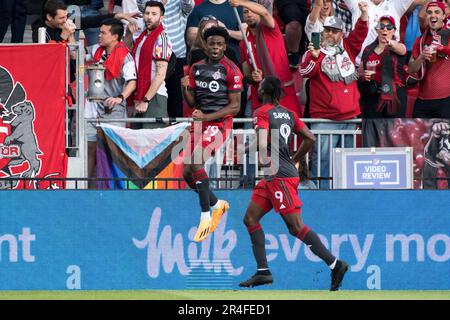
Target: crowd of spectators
[370, 58]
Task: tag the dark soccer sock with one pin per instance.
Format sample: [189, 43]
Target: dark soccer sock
[202, 185]
[212, 197]
[258, 245]
[312, 240]
[191, 184]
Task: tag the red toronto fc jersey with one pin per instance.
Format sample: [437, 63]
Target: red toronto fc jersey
[278, 120]
[213, 82]
[436, 81]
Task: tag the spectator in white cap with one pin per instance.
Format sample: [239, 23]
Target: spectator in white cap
[332, 74]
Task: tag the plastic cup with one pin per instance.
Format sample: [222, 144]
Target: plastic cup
[432, 50]
[371, 70]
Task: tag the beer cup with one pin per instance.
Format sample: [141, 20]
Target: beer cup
[432, 50]
[371, 70]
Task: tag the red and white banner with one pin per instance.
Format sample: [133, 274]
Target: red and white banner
[32, 115]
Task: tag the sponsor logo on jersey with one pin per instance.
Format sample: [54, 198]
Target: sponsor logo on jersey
[201, 84]
[214, 86]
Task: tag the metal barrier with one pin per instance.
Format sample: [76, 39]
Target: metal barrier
[234, 175]
[75, 132]
[77, 147]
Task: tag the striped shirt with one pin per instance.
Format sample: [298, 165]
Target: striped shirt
[174, 23]
[344, 15]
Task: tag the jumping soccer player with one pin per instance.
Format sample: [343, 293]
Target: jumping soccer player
[278, 189]
[213, 87]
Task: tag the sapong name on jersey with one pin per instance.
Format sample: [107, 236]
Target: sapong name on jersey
[281, 115]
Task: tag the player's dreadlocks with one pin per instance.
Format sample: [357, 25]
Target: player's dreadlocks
[271, 87]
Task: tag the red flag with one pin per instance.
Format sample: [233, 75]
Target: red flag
[32, 115]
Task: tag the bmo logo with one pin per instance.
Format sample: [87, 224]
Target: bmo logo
[213, 86]
[201, 84]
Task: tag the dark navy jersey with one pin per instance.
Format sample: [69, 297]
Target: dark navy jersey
[283, 123]
[213, 82]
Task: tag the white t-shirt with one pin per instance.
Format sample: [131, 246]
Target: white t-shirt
[393, 8]
[313, 27]
[129, 6]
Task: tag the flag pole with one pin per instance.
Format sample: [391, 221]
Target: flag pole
[247, 44]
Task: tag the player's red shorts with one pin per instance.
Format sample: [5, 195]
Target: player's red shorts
[280, 194]
[210, 134]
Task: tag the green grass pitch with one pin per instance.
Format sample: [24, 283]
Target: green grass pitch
[225, 295]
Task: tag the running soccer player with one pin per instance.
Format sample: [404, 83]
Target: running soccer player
[213, 87]
[278, 189]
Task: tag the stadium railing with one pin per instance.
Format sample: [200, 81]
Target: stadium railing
[234, 175]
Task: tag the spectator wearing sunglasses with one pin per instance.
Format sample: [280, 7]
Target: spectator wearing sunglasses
[377, 9]
[382, 92]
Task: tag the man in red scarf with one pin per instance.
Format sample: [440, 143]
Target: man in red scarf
[268, 47]
[151, 51]
[431, 60]
[120, 82]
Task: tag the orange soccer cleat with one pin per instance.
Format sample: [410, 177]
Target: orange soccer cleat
[218, 213]
[203, 230]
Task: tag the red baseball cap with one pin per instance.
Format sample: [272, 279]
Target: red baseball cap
[437, 4]
[390, 18]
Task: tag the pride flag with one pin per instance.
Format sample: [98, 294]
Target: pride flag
[143, 154]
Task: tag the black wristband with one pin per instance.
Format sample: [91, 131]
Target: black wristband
[145, 99]
[121, 97]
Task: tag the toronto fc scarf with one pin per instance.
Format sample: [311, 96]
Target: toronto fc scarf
[337, 65]
[144, 72]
